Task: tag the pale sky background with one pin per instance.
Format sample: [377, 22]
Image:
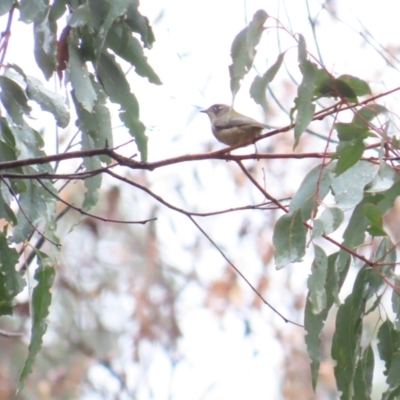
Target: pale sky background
[191, 55]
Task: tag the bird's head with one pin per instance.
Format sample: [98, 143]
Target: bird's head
[217, 110]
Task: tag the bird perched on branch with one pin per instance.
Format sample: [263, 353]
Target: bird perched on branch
[231, 127]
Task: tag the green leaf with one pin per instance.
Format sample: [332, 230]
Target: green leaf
[306, 197]
[393, 378]
[302, 50]
[80, 16]
[289, 239]
[11, 281]
[374, 216]
[357, 85]
[351, 131]
[388, 344]
[96, 124]
[316, 281]
[313, 323]
[5, 199]
[139, 24]
[115, 84]
[367, 114]
[5, 6]
[303, 102]
[317, 228]
[45, 38]
[384, 179]
[41, 300]
[386, 253]
[58, 9]
[346, 341]
[260, 84]
[328, 86]
[364, 374]
[80, 79]
[117, 87]
[33, 10]
[391, 394]
[14, 99]
[243, 49]
[122, 43]
[115, 10]
[349, 153]
[7, 152]
[323, 84]
[396, 304]
[93, 183]
[331, 218]
[388, 197]
[48, 100]
[37, 208]
[6, 135]
[28, 145]
[348, 188]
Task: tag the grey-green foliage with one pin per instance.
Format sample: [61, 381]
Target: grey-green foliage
[364, 190]
[86, 48]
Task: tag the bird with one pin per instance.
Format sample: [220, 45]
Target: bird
[230, 127]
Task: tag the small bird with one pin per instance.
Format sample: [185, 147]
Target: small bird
[231, 127]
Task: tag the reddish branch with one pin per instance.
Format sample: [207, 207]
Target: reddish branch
[5, 36]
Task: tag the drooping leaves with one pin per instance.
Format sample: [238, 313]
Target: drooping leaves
[11, 281]
[260, 84]
[289, 239]
[243, 49]
[305, 92]
[41, 299]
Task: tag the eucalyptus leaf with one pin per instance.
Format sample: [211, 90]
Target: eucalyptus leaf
[289, 239]
[5, 6]
[388, 343]
[92, 184]
[48, 100]
[260, 84]
[11, 281]
[37, 210]
[243, 49]
[140, 24]
[121, 41]
[80, 16]
[359, 86]
[6, 211]
[330, 218]
[316, 281]
[41, 300]
[384, 179]
[45, 41]
[347, 341]
[364, 374]
[396, 304]
[14, 99]
[117, 87]
[303, 103]
[306, 198]
[96, 124]
[80, 79]
[313, 323]
[115, 10]
[348, 188]
[33, 10]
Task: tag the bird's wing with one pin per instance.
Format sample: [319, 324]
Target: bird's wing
[238, 121]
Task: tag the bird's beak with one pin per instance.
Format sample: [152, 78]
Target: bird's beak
[204, 111]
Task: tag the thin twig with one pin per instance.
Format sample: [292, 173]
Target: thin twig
[242, 275]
